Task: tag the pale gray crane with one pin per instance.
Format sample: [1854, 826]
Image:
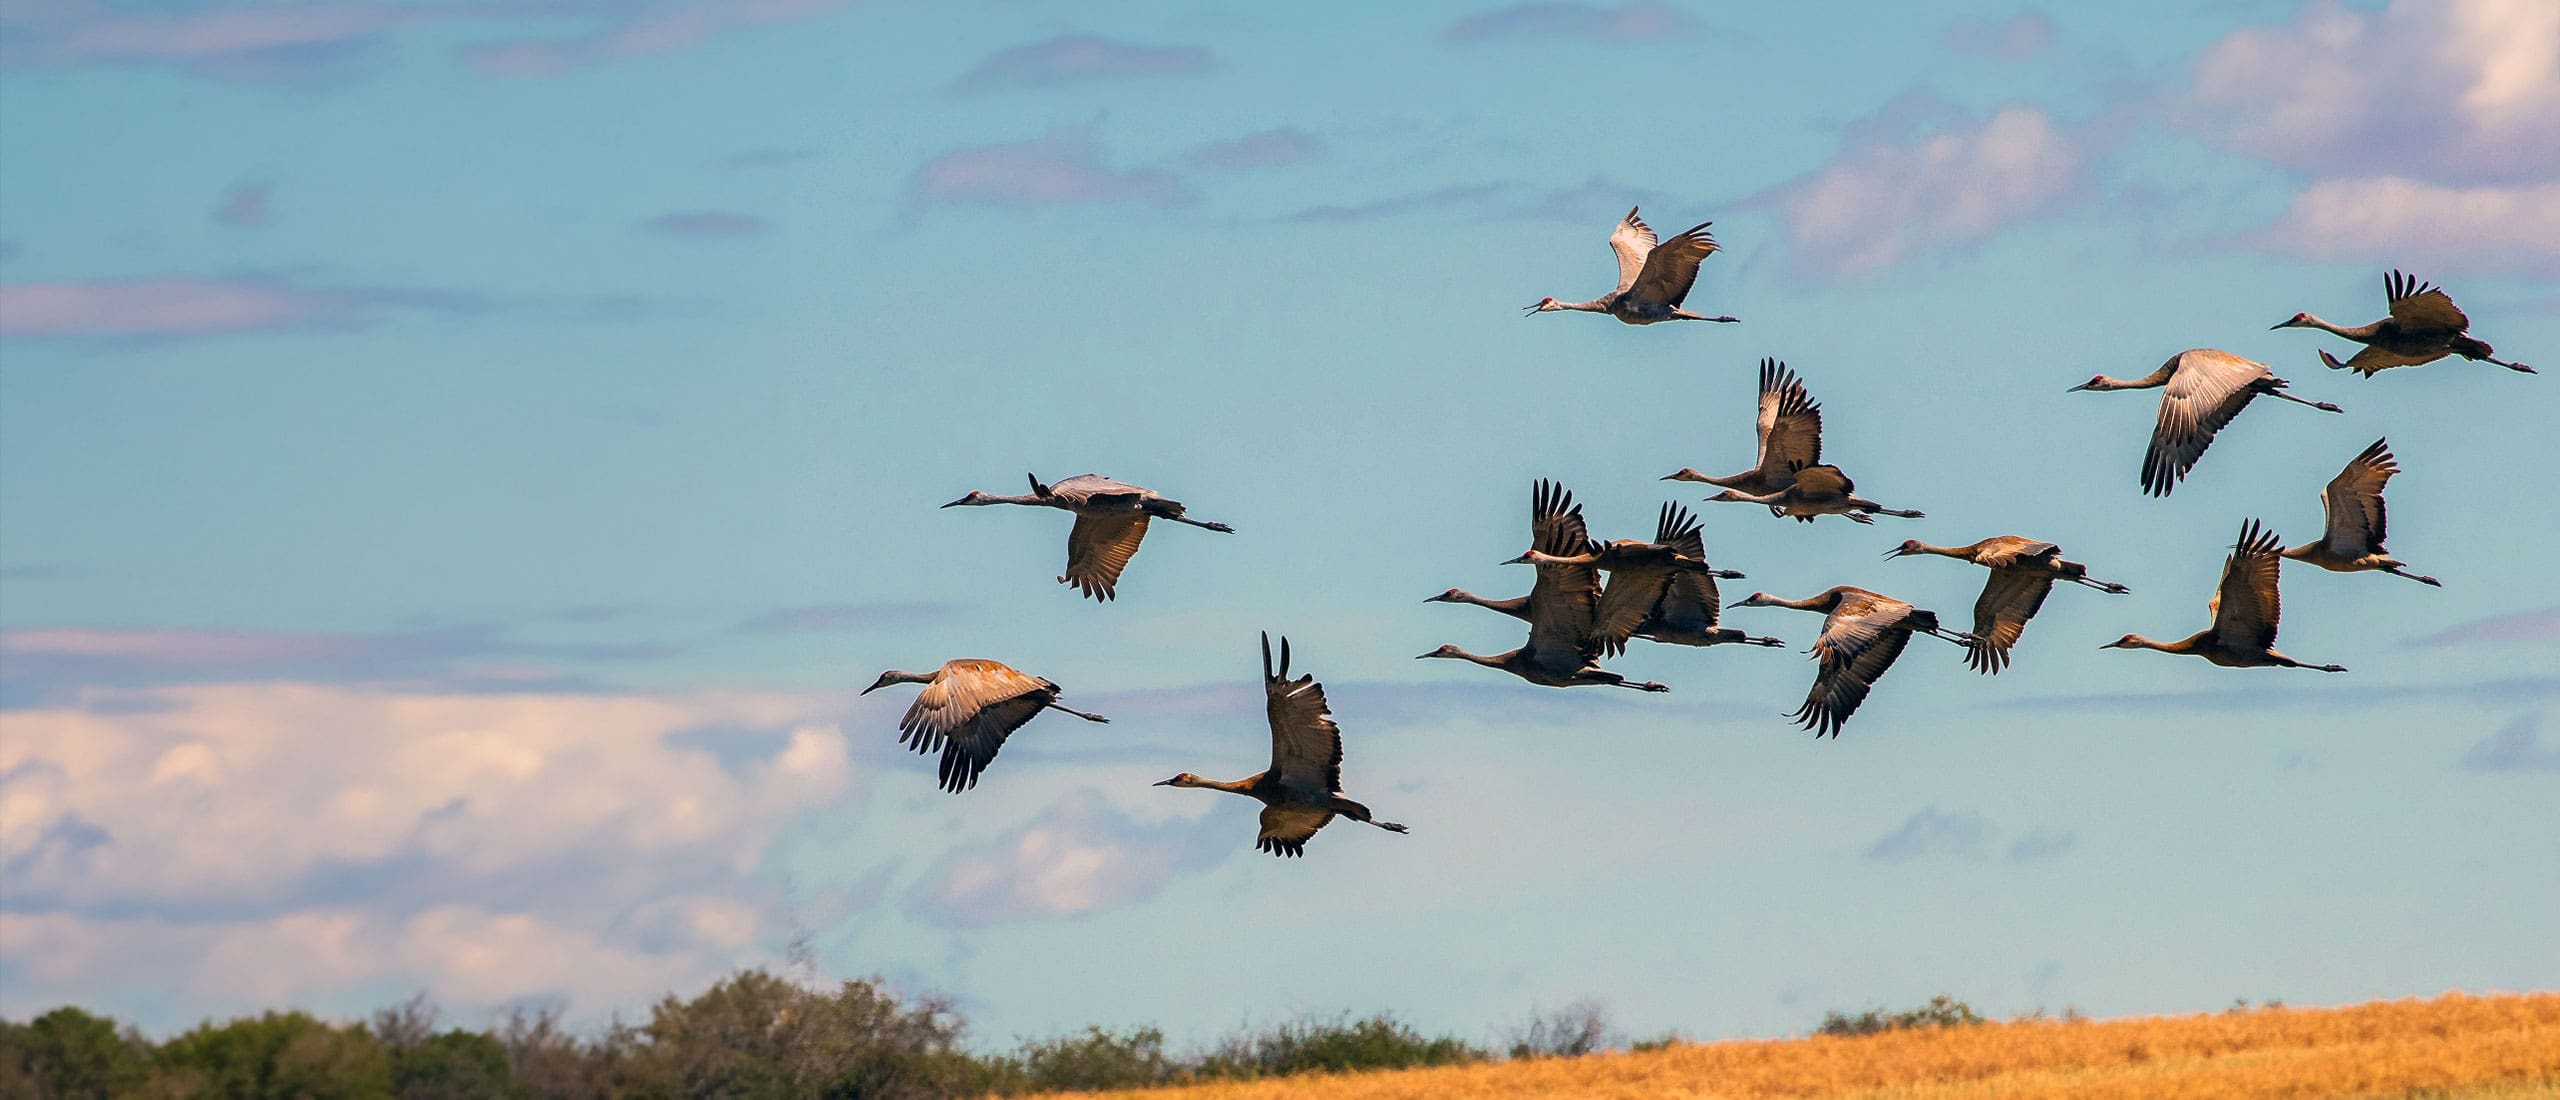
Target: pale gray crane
[1789, 431]
[1301, 791]
[2022, 575]
[2424, 326]
[2245, 610]
[1562, 606]
[1862, 633]
[1111, 518]
[1654, 276]
[967, 709]
[2353, 501]
[2205, 389]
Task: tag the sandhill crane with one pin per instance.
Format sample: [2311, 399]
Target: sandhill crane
[2353, 542]
[1689, 611]
[2244, 609]
[1561, 607]
[1654, 276]
[1816, 491]
[1789, 430]
[2206, 388]
[1302, 790]
[2022, 574]
[1111, 518]
[1640, 573]
[966, 710]
[2424, 326]
[1862, 633]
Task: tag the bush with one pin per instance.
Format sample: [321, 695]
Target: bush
[1336, 1045]
[67, 1054]
[1575, 1030]
[1097, 1059]
[277, 1054]
[1941, 1011]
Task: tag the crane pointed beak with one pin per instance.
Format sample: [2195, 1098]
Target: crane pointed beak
[868, 690]
[1161, 783]
[2078, 388]
[1521, 560]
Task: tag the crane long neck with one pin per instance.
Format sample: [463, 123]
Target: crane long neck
[1509, 606]
[1596, 305]
[2183, 645]
[1488, 662]
[1821, 603]
[1231, 786]
[1965, 552]
[1022, 498]
[2357, 332]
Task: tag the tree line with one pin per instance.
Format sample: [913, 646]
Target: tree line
[753, 1035]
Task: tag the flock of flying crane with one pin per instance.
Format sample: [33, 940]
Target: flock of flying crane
[1664, 590]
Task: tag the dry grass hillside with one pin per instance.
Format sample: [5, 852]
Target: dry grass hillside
[2455, 1047]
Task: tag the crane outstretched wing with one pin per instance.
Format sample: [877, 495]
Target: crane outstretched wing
[1790, 427]
[2012, 596]
[2207, 389]
[1691, 602]
[2246, 606]
[1285, 829]
[1672, 267]
[967, 712]
[2353, 501]
[1306, 744]
[2420, 309]
[1098, 548]
[1565, 600]
[1860, 640]
[1632, 240]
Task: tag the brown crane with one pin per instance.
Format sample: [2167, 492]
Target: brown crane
[1862, 633]
[1562, 606]
[2022, 575]
[2244, 609]
[1640, 574]
[966, 710]
[1302, 789]
[1654, 276]
[1789, 431]
[1111, 518]
[1817, 491]
[2353, 541]
[2205, 389]
[2424, 326]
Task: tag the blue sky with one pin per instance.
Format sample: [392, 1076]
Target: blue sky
[458, 461]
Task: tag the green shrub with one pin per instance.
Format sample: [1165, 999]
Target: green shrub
[1941, 1011]
[1340, 1044]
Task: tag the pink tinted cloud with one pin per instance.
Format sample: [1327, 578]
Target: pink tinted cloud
[1064, 168]
[1073, 58]
[1885, 198]
[179, 306]
[706, 223]
[244, 207]
[2523, 627]
[1603, 23]
[2403, 221]
[653, 29]
[223, 39]
[2449, 92]
[1077, 858]
[1278, 148]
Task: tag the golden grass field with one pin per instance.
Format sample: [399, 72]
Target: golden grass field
[2455, 1047]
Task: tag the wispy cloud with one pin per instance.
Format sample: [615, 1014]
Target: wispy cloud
[706, 223]
[2516, 747]
[172, 306]
[820, 618]
[49, 663]
[1933, 832]
[1064, 168]
[1610, 24]
[2331, 697]
[1077, 858]
[1077, 58]
[637, 31]
[1463, 197]
[1885, 198]
[1280, 148]
[245, 207]
[2523, 627]
[2014, 39]
[2402, 221]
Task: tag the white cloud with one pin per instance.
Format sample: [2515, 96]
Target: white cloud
[1078, 857]
[1885, 198]
[2449, 92]
[2406, 222]
[281, 841]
